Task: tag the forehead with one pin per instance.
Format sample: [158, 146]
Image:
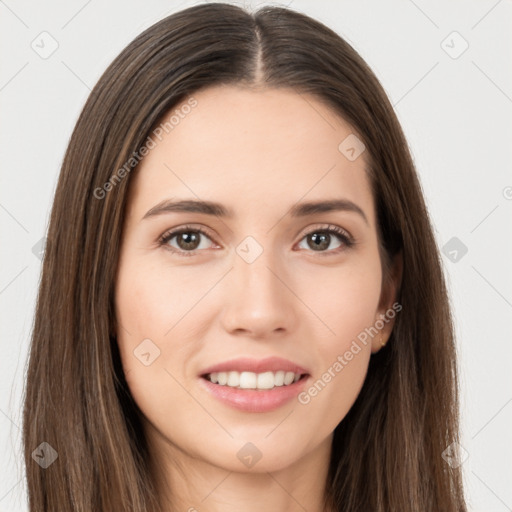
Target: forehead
[252, 149]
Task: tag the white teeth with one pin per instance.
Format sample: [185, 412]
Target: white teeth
[279, 378]
[248, 380]
[233, 379]
[251, 380]
[288, 378]
[265, 380]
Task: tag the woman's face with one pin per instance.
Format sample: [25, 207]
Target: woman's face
[255, 278]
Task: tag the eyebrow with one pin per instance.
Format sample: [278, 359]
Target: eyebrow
[219, 210]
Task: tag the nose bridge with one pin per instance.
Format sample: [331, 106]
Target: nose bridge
[259, 302]
[258, 277]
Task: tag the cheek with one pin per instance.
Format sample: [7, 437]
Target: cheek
[148, 304]
[330, 396]
[139, 305]
[154, 333]
[144, 308]
[344, 299]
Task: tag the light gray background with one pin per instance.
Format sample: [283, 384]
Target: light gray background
[456, 113]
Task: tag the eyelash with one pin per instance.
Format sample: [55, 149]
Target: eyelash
[345, 238]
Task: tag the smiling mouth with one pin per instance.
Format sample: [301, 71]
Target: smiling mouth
[256, 381]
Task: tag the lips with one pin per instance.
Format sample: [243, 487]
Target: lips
[254, 400]
[269, 364]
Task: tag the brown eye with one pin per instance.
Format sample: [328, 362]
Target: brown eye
[186, 240]
[328, 240]
[319, 241]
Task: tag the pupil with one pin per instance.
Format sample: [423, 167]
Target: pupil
[189, 240]
[320, 241]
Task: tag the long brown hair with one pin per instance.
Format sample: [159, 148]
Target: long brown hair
[387, 452]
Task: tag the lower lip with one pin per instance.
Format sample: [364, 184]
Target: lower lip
[253, 400]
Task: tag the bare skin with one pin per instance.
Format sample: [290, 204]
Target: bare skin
[258, 153]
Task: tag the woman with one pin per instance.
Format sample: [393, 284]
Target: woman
[242, 305]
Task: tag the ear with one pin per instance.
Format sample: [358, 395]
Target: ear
[386, 312]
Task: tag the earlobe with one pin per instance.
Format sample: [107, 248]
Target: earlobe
[384, 325]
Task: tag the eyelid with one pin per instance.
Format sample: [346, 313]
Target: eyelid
[326, 227]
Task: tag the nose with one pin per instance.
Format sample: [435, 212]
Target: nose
[259, 299]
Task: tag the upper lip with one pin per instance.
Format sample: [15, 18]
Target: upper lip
[245, 364]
